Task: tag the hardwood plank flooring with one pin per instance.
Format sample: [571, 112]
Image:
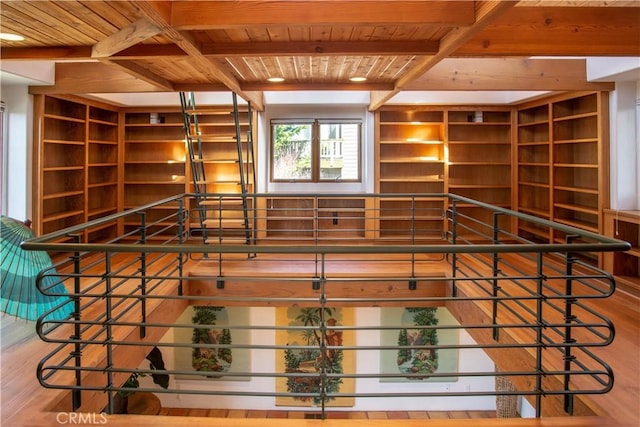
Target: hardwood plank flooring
[351, 415]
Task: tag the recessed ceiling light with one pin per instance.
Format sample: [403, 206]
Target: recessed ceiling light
[358, 79]
[276, 79]
[11, 37]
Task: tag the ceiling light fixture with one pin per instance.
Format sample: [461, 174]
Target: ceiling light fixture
[276, 79]
[11, 37]
[358, 79]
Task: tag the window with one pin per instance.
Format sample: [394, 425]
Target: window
[315, 150]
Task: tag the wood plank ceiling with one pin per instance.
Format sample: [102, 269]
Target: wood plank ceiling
[120, 46]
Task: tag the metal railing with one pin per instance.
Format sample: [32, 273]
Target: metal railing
[528, 305]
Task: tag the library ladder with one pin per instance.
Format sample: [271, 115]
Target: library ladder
[223, 217]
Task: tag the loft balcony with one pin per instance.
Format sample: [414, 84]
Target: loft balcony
[539, 312]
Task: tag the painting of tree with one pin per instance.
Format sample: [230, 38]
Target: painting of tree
[315, 351]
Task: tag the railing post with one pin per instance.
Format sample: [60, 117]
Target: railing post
[454, 256]
[143, 274]
[181, 219]
[323, 343]
[76, 394]
[569, 318]
[496, 271]
[108, 327]
[540, 325]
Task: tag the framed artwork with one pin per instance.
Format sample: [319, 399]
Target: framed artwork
[311, 360]
[420, 362]
[214, 363]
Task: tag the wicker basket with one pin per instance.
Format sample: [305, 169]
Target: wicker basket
[506, 405]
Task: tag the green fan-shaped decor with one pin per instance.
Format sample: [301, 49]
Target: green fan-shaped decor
[19, 268]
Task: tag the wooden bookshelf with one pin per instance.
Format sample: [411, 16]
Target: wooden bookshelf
[154, 164]
[534, 169]
[479, 147]
[76, 164]
[624, 225]
[410, 158]
[563, 171]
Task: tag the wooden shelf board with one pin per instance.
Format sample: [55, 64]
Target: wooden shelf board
[102, 142]
[410, 218]
[479, 123]
[410, 142]
[576, 189]
[537, 212]
[64, 118]
[154, 141]
[62, 141]
[576, 165]
[479, 163]
[575, 141]
[579, 224]
[102, 184]
[101, 165]
[534, 123]
[63, 194]
[412, 160]
[634, 251]
[534, 184]
[101, 212]
[536, 164]
[154, 162]
[146, 125]
[103, 122]
[458, 142]
[576, 116]
[533, 143]
[411, 179]
[411, 123]
[63, 168]
[61, 215]
[154, 183]
[577, 208]
[481, 186]
[535, 231]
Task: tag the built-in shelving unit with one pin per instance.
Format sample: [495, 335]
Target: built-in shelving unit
[479, 146]
[154, 162]
[410, 157]
[562, 171]
[77, 164]
[534, 169]
[102, 170]
[315, 219]
[624, 225]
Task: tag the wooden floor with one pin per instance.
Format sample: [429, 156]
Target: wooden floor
[336, 415]
[25, 403]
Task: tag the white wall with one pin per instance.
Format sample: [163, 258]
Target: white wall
[316, 111]
[624, 143]
[19, 112]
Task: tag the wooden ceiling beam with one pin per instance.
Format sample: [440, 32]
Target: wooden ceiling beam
[474, 74]
[324, 48]
[145, 74]
[157, 12]
[487, 12]
[272, 87]
[61, 53]
[189, 15]
[132, 34]
[566, 31]
[93, 77]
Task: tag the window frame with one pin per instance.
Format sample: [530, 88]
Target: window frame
[316, 147]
